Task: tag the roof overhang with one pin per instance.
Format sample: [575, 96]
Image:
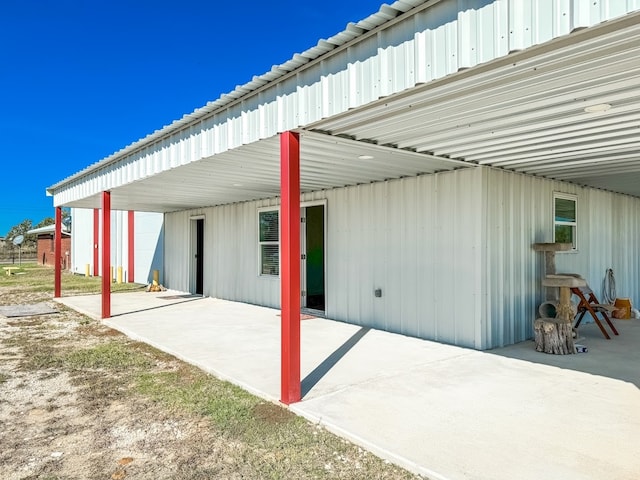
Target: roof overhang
[48, 230]
[252, 172]
[528, 112]
[524, 112]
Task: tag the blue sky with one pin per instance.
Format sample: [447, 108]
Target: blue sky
[80, 80]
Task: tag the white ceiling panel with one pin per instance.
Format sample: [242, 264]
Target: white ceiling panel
[527, 112]
[252, 172]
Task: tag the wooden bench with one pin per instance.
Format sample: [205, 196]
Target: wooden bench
[9, 270]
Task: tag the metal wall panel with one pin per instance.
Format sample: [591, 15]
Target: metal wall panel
[451, 252]
[231, 262]
[428, 44]
[81, 240]
[148, 228]
[148, 245]
[518, 214]
[119, 244]
[177, 258]
[414, 238]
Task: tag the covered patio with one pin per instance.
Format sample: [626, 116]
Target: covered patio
[562, 106]
[438, 410]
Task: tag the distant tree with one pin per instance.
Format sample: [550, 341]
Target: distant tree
[21, 229]
[45, 222]
[66, 220]
[31, 239]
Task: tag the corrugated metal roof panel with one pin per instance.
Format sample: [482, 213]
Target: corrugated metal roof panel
[436, 40]
[351, 32]
[251, 172]
[528, 113]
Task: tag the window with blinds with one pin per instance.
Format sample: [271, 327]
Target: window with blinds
[269, 242]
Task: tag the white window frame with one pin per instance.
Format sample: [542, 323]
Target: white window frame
[261, 243]
[574, 224]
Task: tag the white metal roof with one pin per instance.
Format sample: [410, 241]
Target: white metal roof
[278, 72]
[527, 112]
[48, 229]
[252, 171]
[522, 110]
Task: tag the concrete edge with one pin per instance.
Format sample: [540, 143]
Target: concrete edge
[195, 363]
[84, 312]
[375, 449]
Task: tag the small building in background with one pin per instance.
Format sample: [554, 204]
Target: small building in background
[46, 245]
[148, 237]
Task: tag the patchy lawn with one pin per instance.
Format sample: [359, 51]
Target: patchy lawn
[81, 401]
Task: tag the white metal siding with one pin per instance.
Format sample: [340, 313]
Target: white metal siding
[451, 252]
[81, 240]
[230, 254]
[432, 43]
[148, 245]
[177, 237]
[148, 240]
[519, 213]
[119, 243]
[414, 238]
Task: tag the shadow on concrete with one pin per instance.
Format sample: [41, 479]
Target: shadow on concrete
[321, 370]
[617, 358]
[157, 307]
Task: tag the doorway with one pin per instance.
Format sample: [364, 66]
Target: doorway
[312, 269]
[197, 248]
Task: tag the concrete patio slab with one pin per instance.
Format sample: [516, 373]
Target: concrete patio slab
[439, 410]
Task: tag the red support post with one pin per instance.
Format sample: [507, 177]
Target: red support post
[57, 255]
[130, 248]
[96, 242]
[106, 254]
[290, 388]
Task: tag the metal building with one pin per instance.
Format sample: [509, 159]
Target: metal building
[438, 140]
[147, 230]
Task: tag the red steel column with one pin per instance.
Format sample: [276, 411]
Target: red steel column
[96, 241]
[130, 248]
[290, 391]
[106, 254]
[57, 255]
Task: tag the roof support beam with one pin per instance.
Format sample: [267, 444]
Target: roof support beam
[106, 254]
[57, 255]
[290, 387]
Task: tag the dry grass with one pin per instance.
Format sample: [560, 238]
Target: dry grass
[34, 278]
[115, 408]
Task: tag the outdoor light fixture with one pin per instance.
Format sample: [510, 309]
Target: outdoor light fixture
[365, 157]
[600, 107]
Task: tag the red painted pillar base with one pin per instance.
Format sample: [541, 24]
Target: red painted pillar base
[57, 255]
[290, 391]
[106, 254]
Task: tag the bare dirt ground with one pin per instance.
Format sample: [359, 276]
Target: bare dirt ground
[80, 401]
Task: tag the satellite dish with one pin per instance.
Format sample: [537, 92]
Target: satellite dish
[18, 239]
